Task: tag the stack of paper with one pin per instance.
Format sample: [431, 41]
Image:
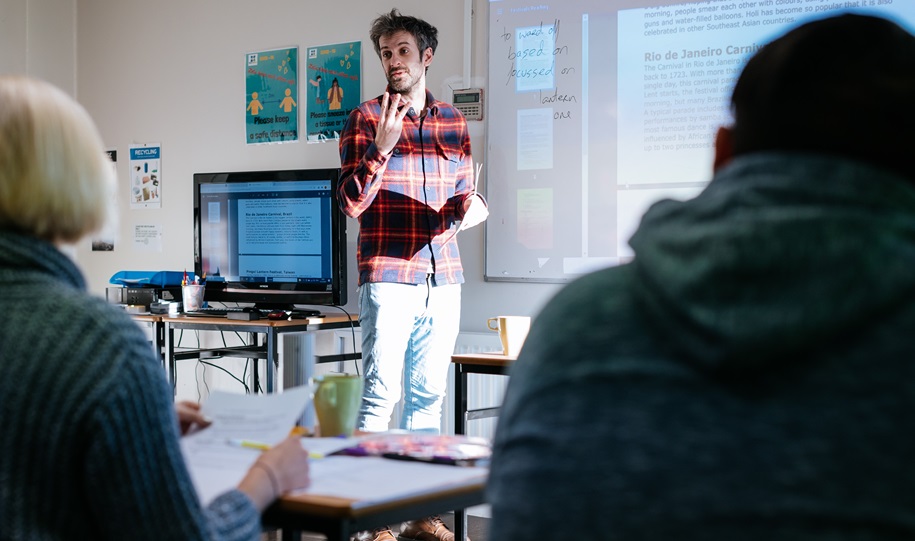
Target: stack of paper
[214, 459]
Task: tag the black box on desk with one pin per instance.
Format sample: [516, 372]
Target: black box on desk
[143, 296]
[169, 293]
[244, 316]
[140, 295]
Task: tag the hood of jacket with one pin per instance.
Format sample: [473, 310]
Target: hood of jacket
[779, 253]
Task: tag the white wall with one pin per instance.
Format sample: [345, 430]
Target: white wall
[171, 72]
[38, 38]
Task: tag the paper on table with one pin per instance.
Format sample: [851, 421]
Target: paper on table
[321, 447]
[217, 466]
[373, 480]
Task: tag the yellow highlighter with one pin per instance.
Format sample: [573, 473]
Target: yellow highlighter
[248, 444]
[260, 446]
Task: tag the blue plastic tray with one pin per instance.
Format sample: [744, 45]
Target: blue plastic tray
[148, 278]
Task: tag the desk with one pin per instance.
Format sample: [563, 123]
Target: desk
[271, 329]
[464, 364]
[158, 331]
[339, 518]
[474, 363]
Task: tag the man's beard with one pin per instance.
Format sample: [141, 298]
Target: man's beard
[404, 84]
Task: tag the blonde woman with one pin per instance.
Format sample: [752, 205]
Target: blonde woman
[90, 447]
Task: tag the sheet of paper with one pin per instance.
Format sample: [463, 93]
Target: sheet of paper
[321, 447]
[215, 464]
[373, 480]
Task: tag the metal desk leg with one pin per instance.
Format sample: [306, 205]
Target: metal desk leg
[159, 331]
[460, 427]
[273, 361]
[171, 366]
[460, 397]
[255, 375]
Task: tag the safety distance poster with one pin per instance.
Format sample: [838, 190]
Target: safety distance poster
[271, 91]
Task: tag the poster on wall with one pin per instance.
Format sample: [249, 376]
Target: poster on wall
[147, 238]
[333, 73]
[106, 238]
[145, 176]
[271, 91]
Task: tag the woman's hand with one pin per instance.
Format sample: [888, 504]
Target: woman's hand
[277, 471]
[189, 415]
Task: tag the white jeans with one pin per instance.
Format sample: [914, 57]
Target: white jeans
[408, 336]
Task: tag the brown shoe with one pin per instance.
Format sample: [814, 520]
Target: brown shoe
[378, 534]
[427, 529]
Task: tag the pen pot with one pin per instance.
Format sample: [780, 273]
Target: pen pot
[192, 297]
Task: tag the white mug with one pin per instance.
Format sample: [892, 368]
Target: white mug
[512, 332]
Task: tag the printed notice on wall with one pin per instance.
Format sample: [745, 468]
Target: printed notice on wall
[333, 88]
[271, 96]
[106, 238]
[145, 176]
[147, 238]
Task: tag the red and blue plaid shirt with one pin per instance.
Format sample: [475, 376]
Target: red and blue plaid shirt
[407, 203]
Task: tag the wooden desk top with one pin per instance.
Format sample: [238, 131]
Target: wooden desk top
[152, 318]
[486, 359]
[359, 490]
[317, 322]
[336, 507]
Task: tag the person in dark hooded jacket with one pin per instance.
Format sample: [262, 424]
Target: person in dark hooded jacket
[750, 374]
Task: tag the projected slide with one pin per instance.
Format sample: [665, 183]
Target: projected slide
[598, 109]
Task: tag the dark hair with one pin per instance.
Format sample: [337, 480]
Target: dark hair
[843, 85]
[425, 34]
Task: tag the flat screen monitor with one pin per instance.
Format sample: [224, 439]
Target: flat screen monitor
[276, 239]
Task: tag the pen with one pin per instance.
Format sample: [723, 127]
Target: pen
[260, 446]
[248, 444]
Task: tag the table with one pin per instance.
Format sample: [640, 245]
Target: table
[339, 518]
[465, 364]
[474, 363]
[271, 331]
[158, 332]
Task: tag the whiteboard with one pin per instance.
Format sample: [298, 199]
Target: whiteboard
[597, 109]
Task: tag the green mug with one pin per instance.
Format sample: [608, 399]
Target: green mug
[337, 399]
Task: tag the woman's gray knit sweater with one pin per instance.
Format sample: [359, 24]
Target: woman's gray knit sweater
[90, 438]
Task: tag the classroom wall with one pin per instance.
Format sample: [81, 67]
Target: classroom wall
[38, 38]
[171, 72]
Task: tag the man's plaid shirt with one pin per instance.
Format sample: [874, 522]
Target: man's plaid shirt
[407, 203]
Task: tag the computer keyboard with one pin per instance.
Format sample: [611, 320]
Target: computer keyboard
[212, 312]
[298, 313]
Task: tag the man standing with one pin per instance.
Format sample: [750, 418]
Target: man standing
[408, 178]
